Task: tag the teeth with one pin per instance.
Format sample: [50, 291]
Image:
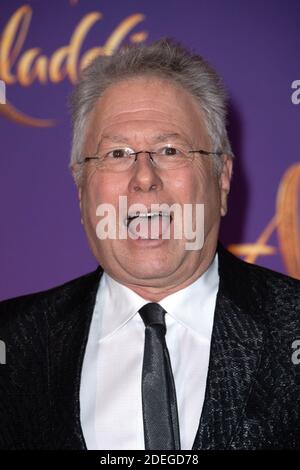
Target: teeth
[147, 215]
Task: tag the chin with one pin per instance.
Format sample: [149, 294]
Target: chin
[151, 269]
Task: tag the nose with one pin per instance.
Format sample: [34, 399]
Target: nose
[145, 175]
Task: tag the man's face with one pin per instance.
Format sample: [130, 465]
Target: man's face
[139, 113]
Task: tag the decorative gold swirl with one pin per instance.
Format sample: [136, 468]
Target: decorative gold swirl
[286, 221]
[288, 228]
[252, 251]
[15, 115]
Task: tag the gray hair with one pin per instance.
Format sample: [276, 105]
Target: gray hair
[164, 59]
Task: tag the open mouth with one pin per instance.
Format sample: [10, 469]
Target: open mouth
[147, 215]
[148, 225]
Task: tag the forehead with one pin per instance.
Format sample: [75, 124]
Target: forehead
[145, 107]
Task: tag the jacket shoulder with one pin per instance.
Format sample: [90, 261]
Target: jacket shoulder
[255, 273]
[38, 302]
[260, 290]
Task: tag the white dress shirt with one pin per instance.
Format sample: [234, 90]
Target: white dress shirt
[110, 390]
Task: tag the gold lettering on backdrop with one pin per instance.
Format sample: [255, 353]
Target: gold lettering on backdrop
[285, 222]
[71, 52]
[28, 71]
[31, 65]
[12, 41]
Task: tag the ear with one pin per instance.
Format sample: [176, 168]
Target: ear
[75, 170]
[224, 182]
[79, 193]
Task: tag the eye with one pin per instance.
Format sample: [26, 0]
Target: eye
[169, 151]
[119, 153]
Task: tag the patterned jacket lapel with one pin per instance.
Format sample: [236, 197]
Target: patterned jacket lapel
[235, 354]
[67, 343]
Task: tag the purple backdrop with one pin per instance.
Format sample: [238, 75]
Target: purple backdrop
[253, 44]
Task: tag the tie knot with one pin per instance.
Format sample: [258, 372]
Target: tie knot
[153, 314]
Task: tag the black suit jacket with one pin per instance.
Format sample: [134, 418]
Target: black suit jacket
[252, 396]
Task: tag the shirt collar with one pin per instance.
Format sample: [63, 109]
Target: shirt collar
[116, 304]
[194, 305]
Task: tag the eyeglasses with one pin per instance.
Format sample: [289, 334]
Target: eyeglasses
[166, 158]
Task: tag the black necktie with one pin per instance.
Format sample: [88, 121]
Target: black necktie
[160, 414]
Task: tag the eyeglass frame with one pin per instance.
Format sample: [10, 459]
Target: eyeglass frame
[150, 153]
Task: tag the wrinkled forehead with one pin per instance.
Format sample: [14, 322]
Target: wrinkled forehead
[147, 106]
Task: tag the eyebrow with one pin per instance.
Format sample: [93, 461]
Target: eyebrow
[116, 138]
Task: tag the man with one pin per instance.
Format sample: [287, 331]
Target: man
[166, 345]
